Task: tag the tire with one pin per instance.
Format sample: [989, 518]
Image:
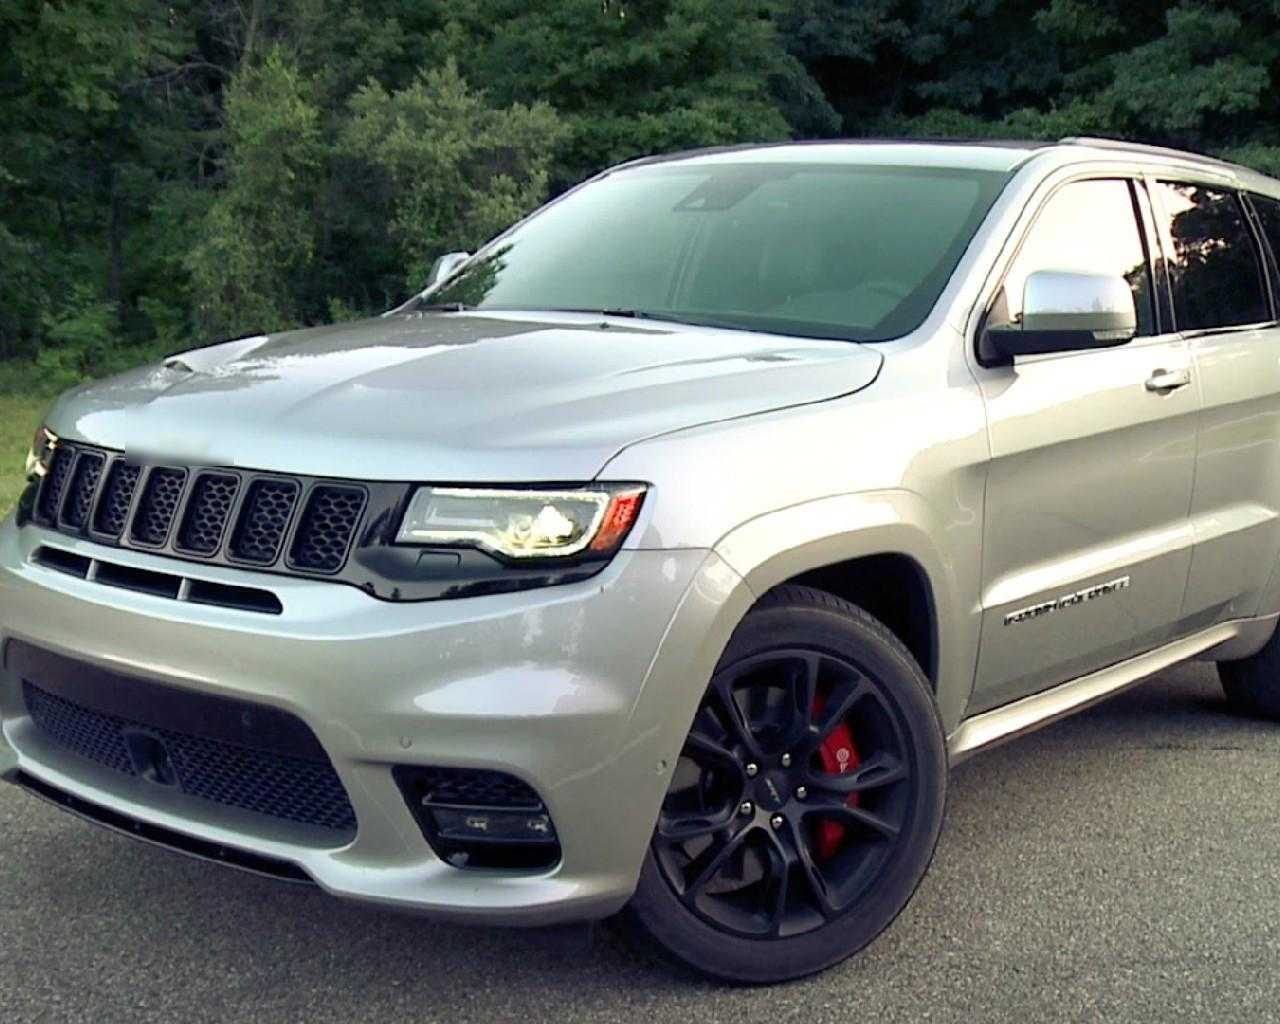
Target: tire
[776, 854]
[1252, 684]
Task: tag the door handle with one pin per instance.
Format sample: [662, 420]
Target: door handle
[1164, 381]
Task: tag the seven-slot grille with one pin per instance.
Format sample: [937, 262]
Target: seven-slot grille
[262, 520]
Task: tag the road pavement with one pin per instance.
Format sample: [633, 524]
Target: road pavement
[1119, 866]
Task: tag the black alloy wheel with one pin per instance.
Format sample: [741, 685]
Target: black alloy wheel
[807, 798]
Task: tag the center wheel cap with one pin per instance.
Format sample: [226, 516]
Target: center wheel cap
[773, 790]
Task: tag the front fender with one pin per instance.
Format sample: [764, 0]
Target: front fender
[778, 546]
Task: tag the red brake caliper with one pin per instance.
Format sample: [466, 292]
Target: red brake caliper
[838, 755]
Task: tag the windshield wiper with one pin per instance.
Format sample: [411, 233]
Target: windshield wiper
[591, 311]
[625, 311]
[441, 307]
[670, 318]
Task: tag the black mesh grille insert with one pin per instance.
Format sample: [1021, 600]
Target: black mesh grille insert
[264, 520]
[84, 483]
[55, 482]
[113, 506]
[159, 503]
[212, 497]
[328, 524]
[83, 732]
[290, 788]
[475, 787]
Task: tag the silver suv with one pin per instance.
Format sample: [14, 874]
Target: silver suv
[662, 555]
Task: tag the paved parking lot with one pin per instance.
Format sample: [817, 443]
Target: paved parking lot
[1121, 866]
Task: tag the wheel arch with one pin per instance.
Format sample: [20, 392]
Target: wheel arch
[895, 589]
[876, 550]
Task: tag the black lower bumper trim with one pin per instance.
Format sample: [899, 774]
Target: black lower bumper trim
[158, 835]
[164, 706]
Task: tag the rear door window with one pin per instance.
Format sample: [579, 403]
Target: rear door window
[1268, 211]
[1213, 263]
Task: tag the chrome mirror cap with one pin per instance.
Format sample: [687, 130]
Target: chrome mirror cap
[1066, 311]
[1066, 300]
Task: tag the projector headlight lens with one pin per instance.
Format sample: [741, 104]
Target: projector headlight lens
[517, 523]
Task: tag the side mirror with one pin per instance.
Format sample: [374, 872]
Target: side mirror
[444, 266]
[1064, 311]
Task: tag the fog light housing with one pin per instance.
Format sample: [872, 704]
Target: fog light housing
[477, 818]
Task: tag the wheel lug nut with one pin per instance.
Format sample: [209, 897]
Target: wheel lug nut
[747, 808]
[752, 769]
[786, 760]
[801, 792]
[776, 821]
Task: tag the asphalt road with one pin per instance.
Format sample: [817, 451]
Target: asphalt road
[1120, 866]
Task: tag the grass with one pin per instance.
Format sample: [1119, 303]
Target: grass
[19, 416]
[27, 389]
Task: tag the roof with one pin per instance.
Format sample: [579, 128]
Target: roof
[982, 154]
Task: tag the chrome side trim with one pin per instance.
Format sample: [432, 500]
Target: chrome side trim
[1022, 716]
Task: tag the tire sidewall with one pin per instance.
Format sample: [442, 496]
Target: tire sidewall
[851, 634]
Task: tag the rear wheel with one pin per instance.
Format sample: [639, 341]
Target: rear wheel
[807, 800]
[1252, 684]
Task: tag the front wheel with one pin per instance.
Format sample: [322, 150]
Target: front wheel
[807, 799]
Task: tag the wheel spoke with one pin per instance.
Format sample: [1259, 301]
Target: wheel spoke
[710, 725]
[881, 769]
[839, 705]
[714, 863]
[817, 883]
[735, 721]
[698, 746]
[687, 827]
[804, 687]
[882, 826]
[780, 862]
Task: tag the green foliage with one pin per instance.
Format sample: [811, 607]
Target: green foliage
[20, 414]
[258, 240]
[176, 172]
[632, 78]
[1195, 74]
[443, 170]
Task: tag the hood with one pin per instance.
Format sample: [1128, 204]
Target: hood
[453, 397]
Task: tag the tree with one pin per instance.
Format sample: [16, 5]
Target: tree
[180, 169]
[440, 169]
[631, 78]
[83, 97]
[257, 243]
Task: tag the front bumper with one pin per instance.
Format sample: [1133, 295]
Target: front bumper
[583, 691]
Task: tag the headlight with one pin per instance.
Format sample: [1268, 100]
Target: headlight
[41, 453]
[523, 523]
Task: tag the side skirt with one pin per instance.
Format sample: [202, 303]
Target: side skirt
[1236, 639]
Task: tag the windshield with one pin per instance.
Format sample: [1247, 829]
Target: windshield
[859, 253]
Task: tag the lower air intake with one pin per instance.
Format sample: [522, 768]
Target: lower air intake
[209, 747]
